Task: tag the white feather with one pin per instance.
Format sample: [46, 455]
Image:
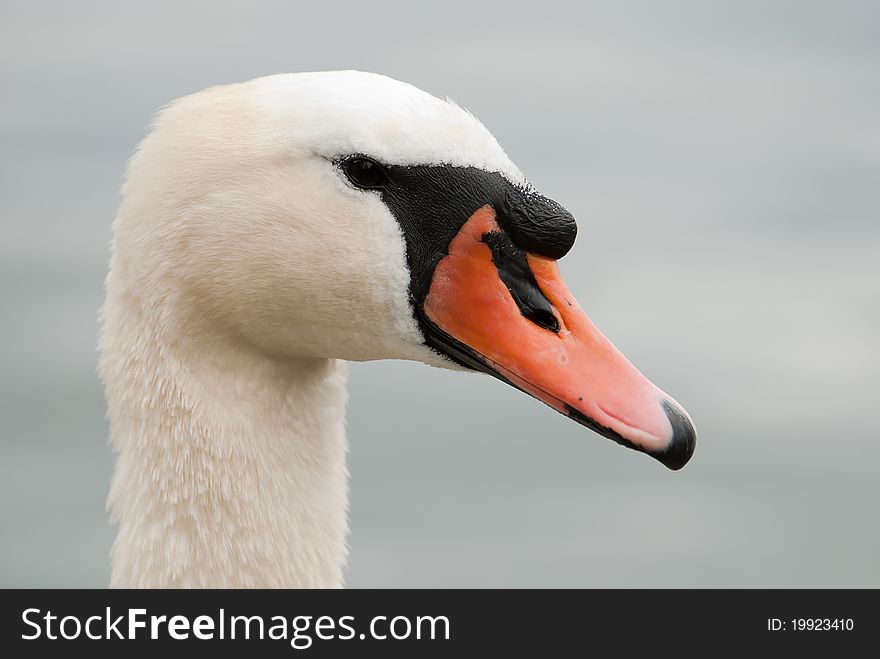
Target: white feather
[244, 268]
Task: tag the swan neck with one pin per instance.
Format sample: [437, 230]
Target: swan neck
[230, 467]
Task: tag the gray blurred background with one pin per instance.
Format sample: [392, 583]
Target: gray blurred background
[723, 161]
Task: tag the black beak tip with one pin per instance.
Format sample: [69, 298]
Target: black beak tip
[684, 438]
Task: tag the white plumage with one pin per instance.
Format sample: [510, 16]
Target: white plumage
[244, 269]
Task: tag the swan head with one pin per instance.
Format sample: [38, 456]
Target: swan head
[348, 215]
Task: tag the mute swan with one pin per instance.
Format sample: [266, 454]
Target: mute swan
[268, 231]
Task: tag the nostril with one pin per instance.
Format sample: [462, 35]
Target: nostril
[542, 318]
[517, 276]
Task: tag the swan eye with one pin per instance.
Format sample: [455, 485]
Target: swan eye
[364, 172]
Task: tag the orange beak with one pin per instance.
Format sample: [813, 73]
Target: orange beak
[508, 312]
